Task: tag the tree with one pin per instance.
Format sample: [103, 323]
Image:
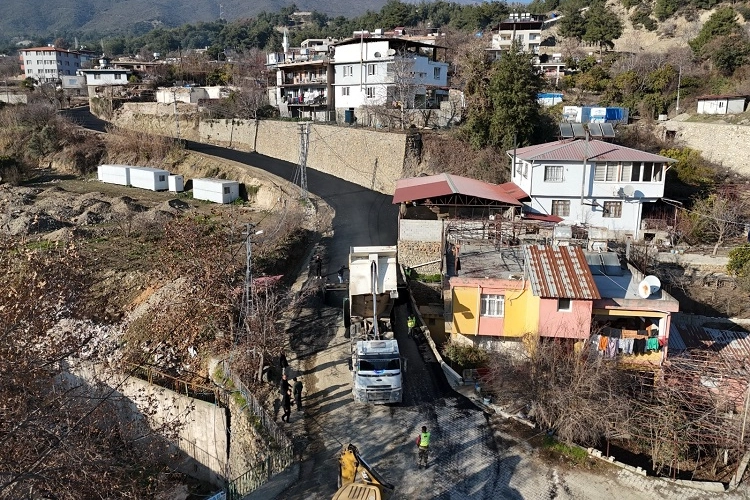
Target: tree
[691, 167]
[602, 26]
[727, 52]
[739, 261]
[573, 25]
[717, 218]
[665, 8]
[722, 22]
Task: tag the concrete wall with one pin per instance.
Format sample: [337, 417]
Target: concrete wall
[371, 159]
[199, 430]
[718, 142]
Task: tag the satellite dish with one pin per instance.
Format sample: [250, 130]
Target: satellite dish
[648, 286]
[391, 52]
[628, 191]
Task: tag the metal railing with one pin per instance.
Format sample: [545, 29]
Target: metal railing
[281, 452]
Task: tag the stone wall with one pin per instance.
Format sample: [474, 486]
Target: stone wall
[721, 143]
[156, 118]
[415, 253]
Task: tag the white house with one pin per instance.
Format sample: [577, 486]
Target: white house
[154, 179]
[50, 64]
[721, 104]
[114, 174]
[527, 30]
[379, 71]
[590, 182]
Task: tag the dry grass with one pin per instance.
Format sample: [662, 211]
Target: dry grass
[139, 148]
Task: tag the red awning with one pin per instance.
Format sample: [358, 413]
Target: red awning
[543, 217]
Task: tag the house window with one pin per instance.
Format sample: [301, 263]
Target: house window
[39, 62]
[493, 305]
[564, 305]
[561, 208]
[344, 90]
[605, 172]
[348, 71]
[635, 172]
[370, 69]
[436, 73]
[226, 190]
[612, 209]
[118, 76]
[162, 178]
[553, 173]
[625, 171]
[28, 62]
[370, 92]
[97, 76]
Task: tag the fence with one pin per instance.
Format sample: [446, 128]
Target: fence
[280, 455]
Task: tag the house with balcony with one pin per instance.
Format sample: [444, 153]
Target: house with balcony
[591, 183]
[393, 73]
[303, 86]
[499, 296]
[525, 28]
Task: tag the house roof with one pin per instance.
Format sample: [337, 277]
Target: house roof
[579, 150]
[560, 272]
[730, 346]
[393, 40]
[717, 97]
[56, 49]
[433, 186]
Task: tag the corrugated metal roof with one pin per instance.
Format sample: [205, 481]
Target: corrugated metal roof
[515, 191]
[730, 346]
[432, 186]
[560, 272]
[580, 150]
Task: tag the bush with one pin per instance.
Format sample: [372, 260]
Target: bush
[465, 356]
[739, 261]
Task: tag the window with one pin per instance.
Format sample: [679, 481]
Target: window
[625, 169]
[28, 71]
[561, 208]
[28, 62]
[162, 178]
[39, 62]
[605, 172]
[493, 305]
[118, 76]
[97, 76]
[348, 71]
[436, 73]
[565, 305]
[553, 173]
[652, 172]
[612, 209]
[226, 190]
[370, 92]
[370, 69]
[635, 172]
[344, 90]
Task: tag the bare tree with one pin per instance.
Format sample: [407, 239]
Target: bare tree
[718, 217]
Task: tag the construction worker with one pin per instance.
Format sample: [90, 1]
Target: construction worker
[423, 443]
[411, 323]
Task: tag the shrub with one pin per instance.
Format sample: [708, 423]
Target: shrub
[465, 356]
[739, 261]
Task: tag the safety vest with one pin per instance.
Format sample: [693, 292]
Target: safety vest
[424, 440]
[411, 322]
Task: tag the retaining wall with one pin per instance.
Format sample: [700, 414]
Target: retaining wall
[721, 143]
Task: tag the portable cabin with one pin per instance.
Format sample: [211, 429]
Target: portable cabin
[154, 179]
[114, 174]
[216, 190]
[176, 183]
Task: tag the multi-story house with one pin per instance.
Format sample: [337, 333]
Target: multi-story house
[590, 182]
[304, 80]
[526, 29]
[50, 64]
[372, 71]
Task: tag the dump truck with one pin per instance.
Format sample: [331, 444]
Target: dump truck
[375, 358]
[359, 481]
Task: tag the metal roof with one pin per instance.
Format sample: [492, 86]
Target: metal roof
[729, 346]
[560, 272]
[433, 186]
[580, 150]
[721, 96]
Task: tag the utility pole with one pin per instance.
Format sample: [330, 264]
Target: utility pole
[304, 143]
[248, 267]
[679, 82]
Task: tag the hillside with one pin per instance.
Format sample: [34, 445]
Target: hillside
[50, 16]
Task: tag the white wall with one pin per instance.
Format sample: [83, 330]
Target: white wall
[102, 78]
[628, 222]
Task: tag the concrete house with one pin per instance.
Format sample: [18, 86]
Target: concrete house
[500, 296]
[527, 30]
[50, 64]
[721, 104]
[373, 70]
[590, 182]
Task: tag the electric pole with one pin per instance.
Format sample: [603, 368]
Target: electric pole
[304, 143]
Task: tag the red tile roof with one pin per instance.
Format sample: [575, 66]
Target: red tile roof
[560, 272]
[433, 186]
[578, 150]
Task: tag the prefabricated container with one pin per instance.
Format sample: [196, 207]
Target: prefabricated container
[114, 174]
[154, 179]
[216, 190]
[176, 183]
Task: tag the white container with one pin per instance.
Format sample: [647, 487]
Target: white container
[176, 183]
[114, 174]
[216, 190]
[154, 179]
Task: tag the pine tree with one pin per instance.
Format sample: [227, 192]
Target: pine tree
[602, 26]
